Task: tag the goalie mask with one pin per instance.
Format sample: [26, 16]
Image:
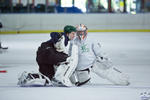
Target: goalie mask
[81, 31]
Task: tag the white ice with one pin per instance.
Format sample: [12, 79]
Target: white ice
[130, 52]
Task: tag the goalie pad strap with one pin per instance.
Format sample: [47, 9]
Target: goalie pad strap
[81, 77]
[81, 83]
[85, 70]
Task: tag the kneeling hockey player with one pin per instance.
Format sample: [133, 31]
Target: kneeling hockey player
[53, 52]
[50, 54]
[91, 59]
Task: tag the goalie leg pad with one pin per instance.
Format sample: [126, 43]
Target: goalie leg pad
[112, 74]
[60, 77]
[81, 77]
[27, 79]
[65, 70]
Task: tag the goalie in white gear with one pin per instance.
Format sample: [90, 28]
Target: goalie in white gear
[91, 59]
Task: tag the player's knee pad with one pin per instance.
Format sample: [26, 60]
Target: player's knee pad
[83, 76]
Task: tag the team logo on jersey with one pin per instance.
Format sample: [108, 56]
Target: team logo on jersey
[84, 48]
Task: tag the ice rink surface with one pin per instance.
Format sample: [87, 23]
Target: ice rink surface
[130, 52]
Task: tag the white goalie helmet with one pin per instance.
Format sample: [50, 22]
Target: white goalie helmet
[33, 79]
[81, 31]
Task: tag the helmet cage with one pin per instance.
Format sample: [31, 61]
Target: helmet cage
[81, 35]
[81, 31]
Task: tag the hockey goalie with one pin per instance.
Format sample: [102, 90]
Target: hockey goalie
[90, 59]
